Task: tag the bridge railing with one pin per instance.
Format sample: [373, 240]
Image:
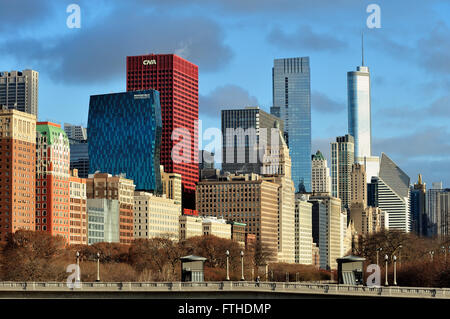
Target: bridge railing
[288, 287]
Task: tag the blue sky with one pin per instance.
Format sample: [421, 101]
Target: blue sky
[234, 43]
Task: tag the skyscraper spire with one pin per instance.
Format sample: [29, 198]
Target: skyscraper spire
[362, 47]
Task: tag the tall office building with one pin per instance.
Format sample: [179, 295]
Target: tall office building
[107, 189]
[246, 135]
[291, 87]
[277, 169]
[78, 210]
[432, 211]
[359, 118]
[393, 194]
[320, 174]
[176, 79]
[17, 171]
[330, 226]
[125, 136]
[75, 132]
[303, 230]
[342, 159]
[243, 198]
[444, 214]
[418, 208]
[19, 90]
[52, 180]
[358, 193]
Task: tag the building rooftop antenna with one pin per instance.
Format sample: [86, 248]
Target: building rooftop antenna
[362, 47]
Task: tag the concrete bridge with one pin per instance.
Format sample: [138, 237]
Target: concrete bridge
[215, 290]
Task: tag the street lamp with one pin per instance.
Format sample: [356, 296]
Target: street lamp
[242, 265]
[431, 254]
[228, 256]
[386, 258]
[98, 267]
[400, 255]
[445, 252]
[78, 266]
[378, 252]
[395, 270]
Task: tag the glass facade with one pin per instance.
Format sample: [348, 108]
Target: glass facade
[292, 103]
[79, 158]
[124, 134]
[359, 113]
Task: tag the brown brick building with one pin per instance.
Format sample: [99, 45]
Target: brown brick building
[17, 171]
[246, 199]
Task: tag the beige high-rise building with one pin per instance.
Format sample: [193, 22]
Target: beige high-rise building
[245, 198]
[171, 183]
[155, 216]
[358, 192]
[106, 186]
[217, 227]
[277, 169]
[330, 230]
[320, 174]
[19, 90]
[367, 219]
[303, 230]
[342, 159]
[190, 226]
[77, 210]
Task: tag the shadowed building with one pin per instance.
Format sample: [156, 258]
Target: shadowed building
[418, 208]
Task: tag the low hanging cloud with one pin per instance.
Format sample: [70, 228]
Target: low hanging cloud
[305, 38]
[323, 103]
[95, 53]
[223, 97]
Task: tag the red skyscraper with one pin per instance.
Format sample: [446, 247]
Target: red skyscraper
[176, 79]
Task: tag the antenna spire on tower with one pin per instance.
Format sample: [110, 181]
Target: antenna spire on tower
[362, 47]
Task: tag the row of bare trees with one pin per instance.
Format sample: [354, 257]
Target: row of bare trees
[37, 256]
[421, 262]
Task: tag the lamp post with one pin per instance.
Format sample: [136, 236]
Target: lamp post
[445, 252]
[431, 255]
[386, 258]
[98, 267]
[242, 265]
[378, 252]
[395, 270]
[78, 266]
[228, 256]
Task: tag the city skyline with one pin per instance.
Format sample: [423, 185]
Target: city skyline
[408, 68]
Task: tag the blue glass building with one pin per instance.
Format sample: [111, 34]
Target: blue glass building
[124, 134]
[292, 103]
